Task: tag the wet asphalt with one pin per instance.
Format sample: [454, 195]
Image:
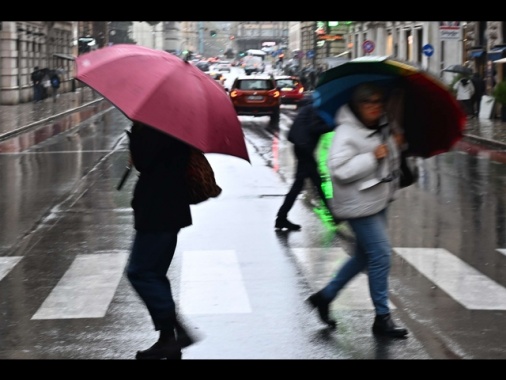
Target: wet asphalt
[255, 195]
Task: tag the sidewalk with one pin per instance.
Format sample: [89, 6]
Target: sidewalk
[16, 119]
[24, 117]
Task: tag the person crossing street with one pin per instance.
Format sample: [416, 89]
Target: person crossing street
[304, 133]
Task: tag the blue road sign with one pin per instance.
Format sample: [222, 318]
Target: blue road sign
[310, 53]
[368, 46]
[428, 50]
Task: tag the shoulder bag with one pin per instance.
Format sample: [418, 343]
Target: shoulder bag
[200, 179]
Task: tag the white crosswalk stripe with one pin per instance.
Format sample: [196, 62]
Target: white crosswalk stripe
[212, 283]
[7, 263]
[86, 289]
[459, 280]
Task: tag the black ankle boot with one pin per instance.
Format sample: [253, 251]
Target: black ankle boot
[322, 305]
[165, 348]
[285, 223]
[384, 325]
[184, 339]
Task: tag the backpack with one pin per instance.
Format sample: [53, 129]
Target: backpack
[55, 81]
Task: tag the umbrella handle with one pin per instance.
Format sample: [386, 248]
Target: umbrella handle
[128, 169]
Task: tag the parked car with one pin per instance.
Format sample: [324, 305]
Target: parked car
[256, 95]
[291, 88]
[223, 66]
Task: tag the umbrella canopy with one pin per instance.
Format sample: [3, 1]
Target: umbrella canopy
[458, 69]
[165, 92]
[432, 119]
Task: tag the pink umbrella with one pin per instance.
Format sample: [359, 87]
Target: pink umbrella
[170, 94]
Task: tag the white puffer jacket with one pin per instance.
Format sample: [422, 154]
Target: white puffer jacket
[355, 172]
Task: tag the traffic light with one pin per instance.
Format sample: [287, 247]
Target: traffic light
[212, 33]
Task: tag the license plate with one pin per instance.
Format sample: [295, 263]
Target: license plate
[255, 97]
[286, 89]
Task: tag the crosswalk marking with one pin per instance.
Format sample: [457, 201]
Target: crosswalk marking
[86, 289]
[501, 250]
[460, 281]
[7, 263]
[212, 283]
[354, 296]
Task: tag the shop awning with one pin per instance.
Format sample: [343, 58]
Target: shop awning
[497, 53]
[477, 53]
[64, 56]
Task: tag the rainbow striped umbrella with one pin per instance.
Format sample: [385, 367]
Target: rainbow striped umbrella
[432, 119]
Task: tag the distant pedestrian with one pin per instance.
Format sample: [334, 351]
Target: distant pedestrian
[55, 84]
[304, 134]
[479, 90]
[46, 83]
[465, 91]
[38, 89]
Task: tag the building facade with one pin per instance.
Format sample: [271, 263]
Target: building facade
[321, 44]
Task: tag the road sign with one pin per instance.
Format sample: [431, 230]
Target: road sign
[368, 46]
[310, 53]
[428, 50]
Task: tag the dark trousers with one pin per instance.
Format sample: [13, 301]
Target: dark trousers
[307, 167]
[477, 104]
[467, 106]
[37, 92]
[147, 268]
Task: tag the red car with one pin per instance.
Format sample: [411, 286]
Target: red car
[292, 90]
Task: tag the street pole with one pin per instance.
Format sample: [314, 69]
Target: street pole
[201, 37]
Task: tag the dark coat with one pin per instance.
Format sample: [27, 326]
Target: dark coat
[36, 76]
[307, 127]
[160, 200]
[479, 86]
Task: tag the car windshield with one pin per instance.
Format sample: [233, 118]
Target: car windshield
[287, 83]
[255, 85]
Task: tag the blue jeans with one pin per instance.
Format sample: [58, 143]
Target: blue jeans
[372, 252]
[147, 268]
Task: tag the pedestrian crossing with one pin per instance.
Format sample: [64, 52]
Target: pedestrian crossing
[86, 289]
[212, 282]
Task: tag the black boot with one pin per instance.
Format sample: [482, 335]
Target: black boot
[165, 348]
[322, 305]
[384, 325]
[285, 223]
[184, 339]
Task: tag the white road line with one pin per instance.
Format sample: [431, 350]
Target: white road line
[355, 296]
[7, 263]
[86, 289]
[501, 250]
[212, 283]
[459, 280]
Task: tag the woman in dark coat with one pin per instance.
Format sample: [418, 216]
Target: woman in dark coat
[161, 208]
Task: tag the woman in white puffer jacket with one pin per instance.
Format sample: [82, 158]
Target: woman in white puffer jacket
[363, 162]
